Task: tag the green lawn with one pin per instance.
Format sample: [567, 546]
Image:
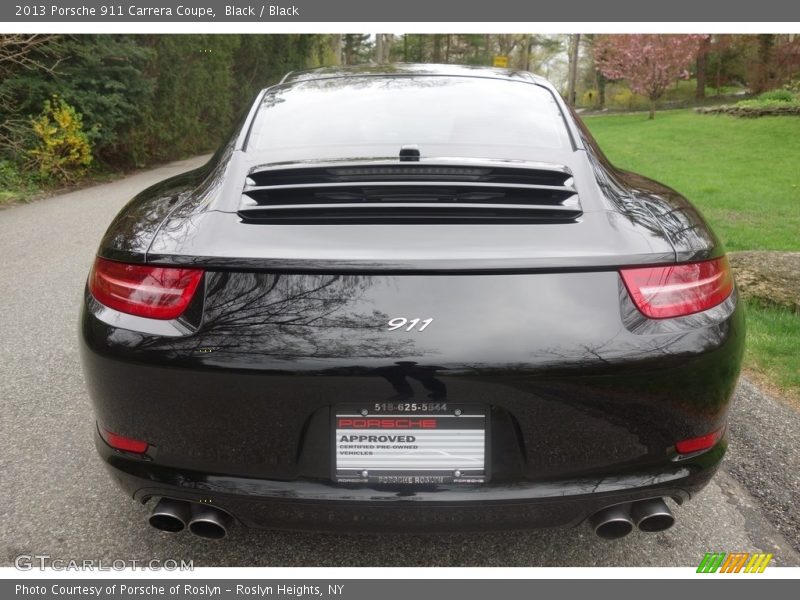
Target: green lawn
[773, 346]
[744, 175]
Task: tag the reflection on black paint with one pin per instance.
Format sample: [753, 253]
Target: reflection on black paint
[252, 317]
[398, 373]
[654, 206]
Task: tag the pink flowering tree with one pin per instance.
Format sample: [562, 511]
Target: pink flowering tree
[648, 62]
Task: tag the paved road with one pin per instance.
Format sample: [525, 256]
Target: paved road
[57, 499]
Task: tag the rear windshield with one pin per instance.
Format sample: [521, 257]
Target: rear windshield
[371, 116]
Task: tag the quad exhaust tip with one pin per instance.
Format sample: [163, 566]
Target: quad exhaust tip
[652, 515]
[209, 522]
[204, 521]
[170, 515]
[613, 522]
[618, 521]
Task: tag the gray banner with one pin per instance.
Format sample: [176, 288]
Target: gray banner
[361, 589]
[355, 11]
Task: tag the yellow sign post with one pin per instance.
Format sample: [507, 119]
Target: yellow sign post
[500, 61]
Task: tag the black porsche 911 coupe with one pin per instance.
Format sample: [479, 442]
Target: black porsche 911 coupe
[411, 298]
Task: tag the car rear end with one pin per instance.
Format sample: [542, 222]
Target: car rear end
[410, 343]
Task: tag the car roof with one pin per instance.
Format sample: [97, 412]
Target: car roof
[412, 69]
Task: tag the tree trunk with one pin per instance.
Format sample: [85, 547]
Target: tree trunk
[437, 48]
[348, 49]
[765, 43]
[336, 48]
[652, 109]
[601, 90]
[573, 68]
[388, 40]
[528, 44]
[702, 66]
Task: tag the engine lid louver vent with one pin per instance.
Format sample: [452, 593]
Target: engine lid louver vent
[392, 193]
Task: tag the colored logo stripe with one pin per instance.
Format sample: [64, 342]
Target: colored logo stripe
[758, 563]
[734, 562]
[711, 562]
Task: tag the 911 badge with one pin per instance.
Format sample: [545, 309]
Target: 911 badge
[400, 322]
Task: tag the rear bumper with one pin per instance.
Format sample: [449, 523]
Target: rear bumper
[587, 398]
[325, 506]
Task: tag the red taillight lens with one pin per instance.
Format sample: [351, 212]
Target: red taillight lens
[120, 442]
[704, 442]
[143, 290]
[677, 290]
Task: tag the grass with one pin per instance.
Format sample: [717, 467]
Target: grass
[744, 176]
[773, 348]
[20, 189]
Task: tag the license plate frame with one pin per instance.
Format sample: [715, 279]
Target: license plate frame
[451, 444]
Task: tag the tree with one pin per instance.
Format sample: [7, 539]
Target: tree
[25, 51]
[356, 48]
[766, 43]
[701, 72]
[101, 76]
[574, 48]
[649, 62]
[383, 47]
[437, 48]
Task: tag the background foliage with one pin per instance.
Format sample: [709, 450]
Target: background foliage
[144, 99]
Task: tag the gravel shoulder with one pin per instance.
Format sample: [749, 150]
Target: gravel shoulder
[764, 456]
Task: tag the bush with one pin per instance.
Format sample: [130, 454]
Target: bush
[624, 99]
[15, 184]
[590, 99]
[63, 150]
[9, 174]
[773, 102]
[777, 96]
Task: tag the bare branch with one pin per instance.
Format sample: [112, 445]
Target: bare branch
[26, 51]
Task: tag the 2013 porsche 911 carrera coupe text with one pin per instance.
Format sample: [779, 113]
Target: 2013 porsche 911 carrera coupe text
[410, 298]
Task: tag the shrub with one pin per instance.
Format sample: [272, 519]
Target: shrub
[777, 96]
[15, 184]
[63, 150]
[623, 98]
[590, 99]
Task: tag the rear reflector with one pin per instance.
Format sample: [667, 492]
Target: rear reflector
[120, 442]
[704, 442]
[143, 290]
[678, 290]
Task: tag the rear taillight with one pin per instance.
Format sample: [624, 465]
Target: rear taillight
[120, 442]
[677, 290]
[704, 442]
[143, 290]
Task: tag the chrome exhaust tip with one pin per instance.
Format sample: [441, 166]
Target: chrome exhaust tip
[613, 522]
[209, 522]
[652, 515]
[170, 515]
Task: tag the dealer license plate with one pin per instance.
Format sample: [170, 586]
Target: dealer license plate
[395, 445]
